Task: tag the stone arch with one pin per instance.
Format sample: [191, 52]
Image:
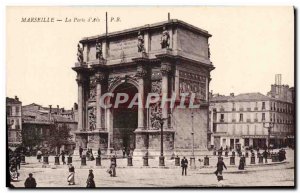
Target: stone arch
[118, 81]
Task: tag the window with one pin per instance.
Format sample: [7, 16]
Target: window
[222, 118]
[246, 141]
[263, 105]
[233, 106]
[255, 119]
[8, 110]
[241, 117]
[263, 117]
[17, 110]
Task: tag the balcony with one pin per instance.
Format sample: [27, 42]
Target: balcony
[248, 109]
[255, 120]
[222, 109]
[233, 120]
[256, 108]
[241, 109]
[222, 120]
[248, 120]
[233, 109]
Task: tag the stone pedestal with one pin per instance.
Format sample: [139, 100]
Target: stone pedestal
[206, 161]
[98, 161]
[46, 160]
[129, 161]
[161, 161]
[252, 161]
[145, 161]
[70, 160]
[56, 158]
[232, 160]
[260, 160]
[83, 161]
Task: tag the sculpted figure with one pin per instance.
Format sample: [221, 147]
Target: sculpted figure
[165, 39]
[99, 53]
[140, 45]
[79, 53]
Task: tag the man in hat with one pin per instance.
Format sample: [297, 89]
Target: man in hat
[80, 151]
[30, 182]
[113, 165]
[184, 165]
[220, 166]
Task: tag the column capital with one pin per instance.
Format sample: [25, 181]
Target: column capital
[80, 80]
[141, 72]
[165, 68]
[100, 77]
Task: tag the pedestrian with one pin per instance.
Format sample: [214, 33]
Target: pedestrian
[18, 161]
[242, 163]
[113, 165]
[80, 151]
[265, 156]
[30, 182]
[63, 157]
[99, 152]
[91, 155]
[39, 155]
[184, 165]
[124, 152]
[71, 176]
[220, 166]
[90, 183]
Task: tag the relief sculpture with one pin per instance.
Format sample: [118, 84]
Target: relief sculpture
[92, 118]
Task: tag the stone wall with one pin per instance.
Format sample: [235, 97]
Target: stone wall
[182, 124]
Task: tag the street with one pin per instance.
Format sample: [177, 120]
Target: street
[271, 174]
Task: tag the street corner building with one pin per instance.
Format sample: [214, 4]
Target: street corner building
[253, 119]
[170, 57]
[14, 121]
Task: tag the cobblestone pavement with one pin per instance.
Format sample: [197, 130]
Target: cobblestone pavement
[271, 174]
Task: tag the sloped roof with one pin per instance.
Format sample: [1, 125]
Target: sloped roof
[12, 100]
[256, 96]
[220, 98]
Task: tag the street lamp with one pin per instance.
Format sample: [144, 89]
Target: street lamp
[269, 126]
[159, 119]
[192, 160]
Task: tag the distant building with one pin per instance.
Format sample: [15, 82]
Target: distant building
[238, 121]
[14, 121]
[38, 121]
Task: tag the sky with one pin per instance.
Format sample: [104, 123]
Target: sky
[249, 45]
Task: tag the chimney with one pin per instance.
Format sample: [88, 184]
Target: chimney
[16, 98]
[58, 110]
[232, 94]
[50, 111]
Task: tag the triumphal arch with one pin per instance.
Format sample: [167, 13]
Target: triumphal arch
[168, 58]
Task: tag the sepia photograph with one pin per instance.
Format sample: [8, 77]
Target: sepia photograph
[150, 97]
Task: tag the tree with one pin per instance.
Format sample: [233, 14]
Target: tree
[59, 135]
[30, 137]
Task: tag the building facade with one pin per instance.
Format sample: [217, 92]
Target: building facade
[38, 124]
[14, 121]
[241, 121]
[169, 58]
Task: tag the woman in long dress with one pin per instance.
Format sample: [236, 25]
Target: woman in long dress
[90, 183]
[71, 177]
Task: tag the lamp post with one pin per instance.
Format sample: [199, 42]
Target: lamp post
[159, 119]
[269, 126]
[161, 157]
[192, 160]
